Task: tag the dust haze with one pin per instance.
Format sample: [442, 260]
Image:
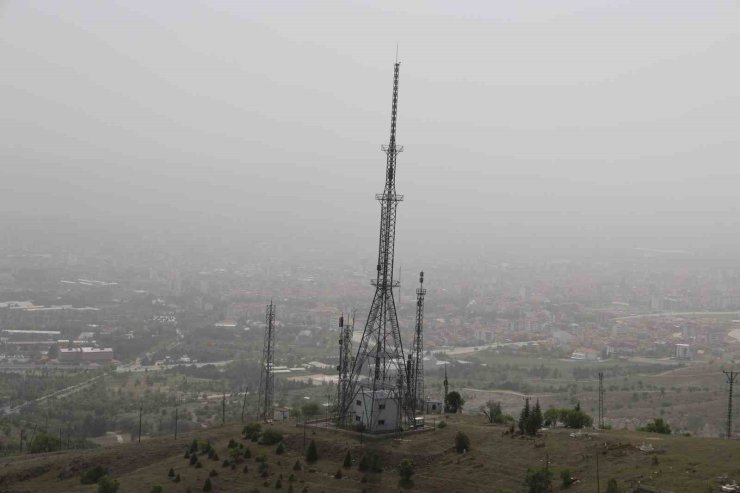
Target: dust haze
[528, 126]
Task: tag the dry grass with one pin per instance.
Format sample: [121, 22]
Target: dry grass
[496, 462]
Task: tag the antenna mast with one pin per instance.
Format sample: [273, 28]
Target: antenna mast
[417, 381]
[379, 369]
[344, 396]
[267, 375]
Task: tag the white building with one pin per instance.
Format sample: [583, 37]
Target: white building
[378, 412]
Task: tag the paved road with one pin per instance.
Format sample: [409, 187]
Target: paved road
[59, 393]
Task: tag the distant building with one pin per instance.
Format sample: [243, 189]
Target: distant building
[433, 406]
[683, 351]
[85, 355]
[586, 355]
[281, 414]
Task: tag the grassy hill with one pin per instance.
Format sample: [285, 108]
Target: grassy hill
[496, 462]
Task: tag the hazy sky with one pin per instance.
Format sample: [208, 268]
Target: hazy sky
[530, 122]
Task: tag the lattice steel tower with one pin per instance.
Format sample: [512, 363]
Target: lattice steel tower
[346, 328]
[416, 387]
[379, 369]
[265, 404]
[731, 377]
[601, 400]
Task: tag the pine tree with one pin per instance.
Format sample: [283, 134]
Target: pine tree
[312, 455]
[524, 417]
[347, 461]
[207, 486]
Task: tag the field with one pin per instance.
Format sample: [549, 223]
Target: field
[496, 462]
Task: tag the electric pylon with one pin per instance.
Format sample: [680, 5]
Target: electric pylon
[267, 375]
[731, 376]
[601, 400]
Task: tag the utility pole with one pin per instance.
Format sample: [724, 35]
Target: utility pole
[731, 376]
[176, 410]
[141, 411]
[223, 410]
[244, 402]
[601, 400]
[598, 482]
[60, 439]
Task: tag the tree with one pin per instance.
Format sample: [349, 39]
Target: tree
[271, 437]
[539, 480]
[492, 411]
[454, 402]
[657, 426]
[524, 417]
[406, 469]
[312, 454]
[156, 489]
[251, 431]
[611, 486]
[462, 442]
[43, 442]
[534, 422]
[347, 461]
[280, 449]
[207, 486]
[107, 485]
[297, 465]
[364, 463]
[171, 473]
[567, 477]
[310, 409]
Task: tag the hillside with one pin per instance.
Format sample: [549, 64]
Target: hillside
[496, 462]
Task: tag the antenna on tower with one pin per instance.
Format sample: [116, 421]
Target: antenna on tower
[267, 375]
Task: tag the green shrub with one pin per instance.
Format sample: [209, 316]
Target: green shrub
[213, 473]
[93, 474]
[347, 461]
[193, 459]
[156, 489]
[406, 469]
[538, 480]
[611, 486]
[280, 449]
[271, 437]
[177, 478]
[171, 473]
[657, 426]
[364, 463]
[566, 477]
[251, 431]
[207, 486]
[442, 424]
[107, 485]
[297, 465]
[338, 474]
[462, 442]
